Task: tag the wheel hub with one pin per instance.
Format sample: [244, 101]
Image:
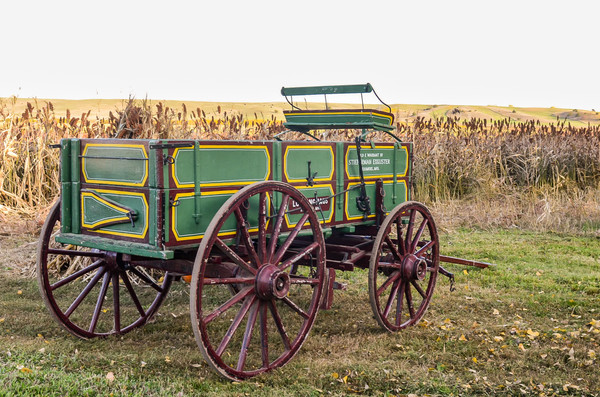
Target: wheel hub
[272, 283]
[414, 268]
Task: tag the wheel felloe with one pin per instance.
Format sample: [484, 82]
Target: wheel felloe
[403, 266]
[279, 279]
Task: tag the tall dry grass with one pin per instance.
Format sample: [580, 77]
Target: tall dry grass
[472, 171]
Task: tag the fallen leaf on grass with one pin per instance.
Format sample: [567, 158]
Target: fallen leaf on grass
[521, 347]
[167, 359]
[572, 354]
[26, 370]
[19, 292]
[498, 338]
[592, 354]
[462, 337]
[110, 376]
[1, 319]
[532, 334]
[335, 375]
[495, 312]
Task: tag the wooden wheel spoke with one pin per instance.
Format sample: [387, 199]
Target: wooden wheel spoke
[100, 301]
[243, 228]
[401, 244]
[392, 278]
[264, 335]
[227, 305]
[132, 294]
[305, 251]
[399, 303]
[116, 302]
[409, 231]
[294, 307]
[230, 280]
[279, 325]
[390, 301]
[65, 252]
[231, 254]
[145, 278]
[262, 226]
[277, 227]
[235, 324]
[409, 302]
[247, 336]
[85, 292]
[424, 248]
[418, 235]
[76, 275]
[419, 289]
[392, 247]
[289, 240]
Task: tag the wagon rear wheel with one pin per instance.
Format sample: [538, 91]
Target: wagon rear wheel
[404, 266]
[94, 293]
[266, 241]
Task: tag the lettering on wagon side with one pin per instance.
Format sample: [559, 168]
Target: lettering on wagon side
[377, 162]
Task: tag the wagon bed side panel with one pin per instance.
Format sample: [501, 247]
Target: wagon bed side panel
[202, 176]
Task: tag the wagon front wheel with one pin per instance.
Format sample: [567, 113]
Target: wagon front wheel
[91, 292]
[266, 242]
[403, 267]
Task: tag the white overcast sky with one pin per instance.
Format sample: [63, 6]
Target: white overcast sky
[522, 53]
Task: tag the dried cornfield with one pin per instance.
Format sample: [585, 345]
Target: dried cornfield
[530, 163]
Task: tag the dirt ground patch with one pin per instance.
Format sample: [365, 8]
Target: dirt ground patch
[18, 244]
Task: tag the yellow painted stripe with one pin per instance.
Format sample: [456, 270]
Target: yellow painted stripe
[217, 184]
[146, 208]
[116, 183]
[380, 114]
[368, 183]
[310, 148]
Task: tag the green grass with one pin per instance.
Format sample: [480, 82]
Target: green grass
[520, 328]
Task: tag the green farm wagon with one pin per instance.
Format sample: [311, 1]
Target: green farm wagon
[261, 227]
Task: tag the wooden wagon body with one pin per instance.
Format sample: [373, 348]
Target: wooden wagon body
[152, 198]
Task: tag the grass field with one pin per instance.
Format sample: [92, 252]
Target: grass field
[530, 326]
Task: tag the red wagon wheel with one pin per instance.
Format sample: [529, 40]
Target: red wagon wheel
[278, 278]
[404, 266]
[94, 293]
